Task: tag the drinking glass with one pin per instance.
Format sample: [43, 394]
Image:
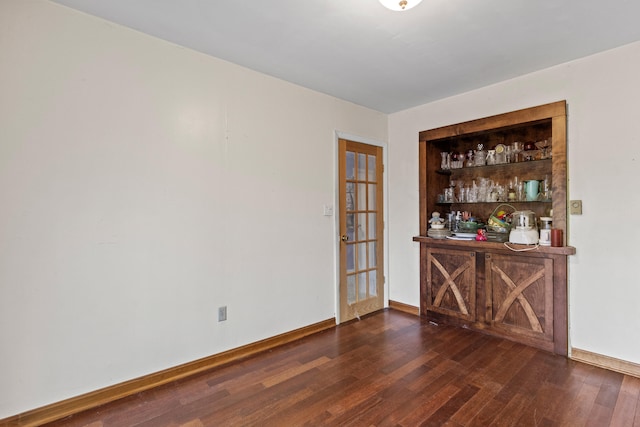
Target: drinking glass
[520, 192]
[508, 154]
[445, 163]
[516, 149]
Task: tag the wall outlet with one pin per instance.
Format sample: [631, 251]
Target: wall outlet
[222, 313]
[575, 207]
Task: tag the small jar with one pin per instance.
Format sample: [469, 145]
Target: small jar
[556, 237]
[491, 157]
[545, 231]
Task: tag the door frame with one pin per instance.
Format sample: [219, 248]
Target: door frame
[336, 217]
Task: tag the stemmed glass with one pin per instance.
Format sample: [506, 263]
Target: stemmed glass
[544, 146]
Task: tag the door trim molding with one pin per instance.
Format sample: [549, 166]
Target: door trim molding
[336, 219]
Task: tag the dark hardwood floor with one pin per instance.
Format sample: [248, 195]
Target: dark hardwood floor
[389, 369]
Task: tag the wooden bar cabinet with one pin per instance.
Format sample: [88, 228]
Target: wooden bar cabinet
[518, 292]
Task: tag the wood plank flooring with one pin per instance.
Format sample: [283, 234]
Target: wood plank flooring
[388, 369]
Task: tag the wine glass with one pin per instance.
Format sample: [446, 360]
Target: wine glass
[544, 146]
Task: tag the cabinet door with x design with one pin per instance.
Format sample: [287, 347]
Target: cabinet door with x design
[519, 292]
[451, 283]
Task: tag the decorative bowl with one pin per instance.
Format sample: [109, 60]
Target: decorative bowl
[468, 226]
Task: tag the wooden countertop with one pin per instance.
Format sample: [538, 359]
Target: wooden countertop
[496, 246]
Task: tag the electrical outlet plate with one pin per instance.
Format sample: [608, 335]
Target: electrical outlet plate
[222, 313]
[575, 207]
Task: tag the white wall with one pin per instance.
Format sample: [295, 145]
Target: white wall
[603, 96]
[143, 185]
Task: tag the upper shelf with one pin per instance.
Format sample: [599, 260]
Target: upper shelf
[529, 163]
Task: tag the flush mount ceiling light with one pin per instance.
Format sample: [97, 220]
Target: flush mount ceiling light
[399, 5]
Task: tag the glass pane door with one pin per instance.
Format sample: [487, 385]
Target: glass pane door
[361, 229]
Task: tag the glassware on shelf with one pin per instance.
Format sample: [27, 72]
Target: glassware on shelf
[445, 163]
[545, 148]
[511, 193]
[546, 188]
[508, 154]
[462, 195]
[501, 154]
[448, 195]
[483, 190]
[532, 190]
[516, 149]
[529, 152]
[491, 157]
[480, 156]
[520, 194]
[470, 161]
[488, 190]
[457, 160]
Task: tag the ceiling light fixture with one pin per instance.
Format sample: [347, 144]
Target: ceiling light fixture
[399, 5]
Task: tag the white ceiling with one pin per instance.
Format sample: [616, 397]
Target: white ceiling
[389, 61]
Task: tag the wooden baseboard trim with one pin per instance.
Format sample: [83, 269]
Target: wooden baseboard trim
[58, 410]
[606, 362]
[406, 308]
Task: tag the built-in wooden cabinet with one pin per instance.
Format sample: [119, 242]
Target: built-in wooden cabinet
[485, 286]
[514, 291]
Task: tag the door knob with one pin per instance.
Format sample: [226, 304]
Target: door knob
[344, 238]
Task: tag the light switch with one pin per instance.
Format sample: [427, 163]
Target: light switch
[328, 210]
[575, 207]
